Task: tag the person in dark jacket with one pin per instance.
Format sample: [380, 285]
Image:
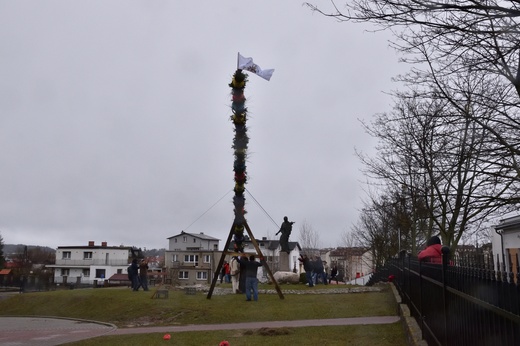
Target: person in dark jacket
[251, 268]
[318, 269]
[307, 266]
[143, 275]
[333, 274]
[133, 272]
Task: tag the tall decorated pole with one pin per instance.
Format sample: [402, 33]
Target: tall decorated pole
[240, 141]
[239, 118]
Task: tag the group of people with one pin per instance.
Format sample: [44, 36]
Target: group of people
[138, 275]
[317, 270]
[243, 272]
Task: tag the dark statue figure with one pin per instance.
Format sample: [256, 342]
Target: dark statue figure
[285, 230]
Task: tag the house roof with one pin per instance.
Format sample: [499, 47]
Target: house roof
[13, 264]
[119, 277]
[200, 235]
[509, 223]
[5, 271]
[348, 251]
[86, 247]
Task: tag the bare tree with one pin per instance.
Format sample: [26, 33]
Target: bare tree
[480, 35]
[446, 162]
[309, 239]
[443, 37]
[452, 139]
[375, 230]
[348, 238]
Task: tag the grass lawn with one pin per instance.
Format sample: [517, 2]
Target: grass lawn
[126, 309]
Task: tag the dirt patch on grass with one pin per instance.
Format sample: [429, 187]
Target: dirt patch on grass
[268, 331]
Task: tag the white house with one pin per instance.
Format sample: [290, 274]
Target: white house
[271, 250]
[352, 262]
[91, 263]
[506, 240]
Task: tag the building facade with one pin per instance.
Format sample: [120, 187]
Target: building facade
[191, 258]
[90, 264]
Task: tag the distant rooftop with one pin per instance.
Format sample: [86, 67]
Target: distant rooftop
[200, 235]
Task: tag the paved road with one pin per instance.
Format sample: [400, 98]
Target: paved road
[48, 331]
[51, 331]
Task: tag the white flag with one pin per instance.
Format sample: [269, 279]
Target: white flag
[249, 65]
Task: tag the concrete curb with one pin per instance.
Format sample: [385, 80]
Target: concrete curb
[258, 325]
[410, 325]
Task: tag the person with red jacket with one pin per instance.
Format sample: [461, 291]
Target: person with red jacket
[432, 253]
[227, 272]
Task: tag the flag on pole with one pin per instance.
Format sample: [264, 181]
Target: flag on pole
[249, 65]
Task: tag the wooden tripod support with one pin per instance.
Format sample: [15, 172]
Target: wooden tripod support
[259, 253]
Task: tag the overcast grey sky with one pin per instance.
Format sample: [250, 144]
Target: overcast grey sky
[114, 118]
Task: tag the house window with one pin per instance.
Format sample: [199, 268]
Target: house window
[175, 240]
[86, 272]
[207, 259]
[65, 255]
[191, 258]
[215, 246]
[65, 272]
[194, 240]
[100, 273]
[183, 275]
[202, 275]
[185, 239]
[175, 258]
[87, 255]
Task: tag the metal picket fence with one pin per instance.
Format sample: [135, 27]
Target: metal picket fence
[469, 300]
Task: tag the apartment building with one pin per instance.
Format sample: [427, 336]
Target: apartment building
[191, 258]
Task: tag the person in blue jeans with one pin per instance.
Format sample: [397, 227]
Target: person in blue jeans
[251, 268]
[317, 269]
[307, 266]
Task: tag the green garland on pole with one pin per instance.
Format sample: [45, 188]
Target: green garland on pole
[240, 141]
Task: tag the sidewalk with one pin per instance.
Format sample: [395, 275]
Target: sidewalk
[258, 325]
[48, 331]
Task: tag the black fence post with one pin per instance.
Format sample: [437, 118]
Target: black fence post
[420, 303]
[445, 260]
[402, 279]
